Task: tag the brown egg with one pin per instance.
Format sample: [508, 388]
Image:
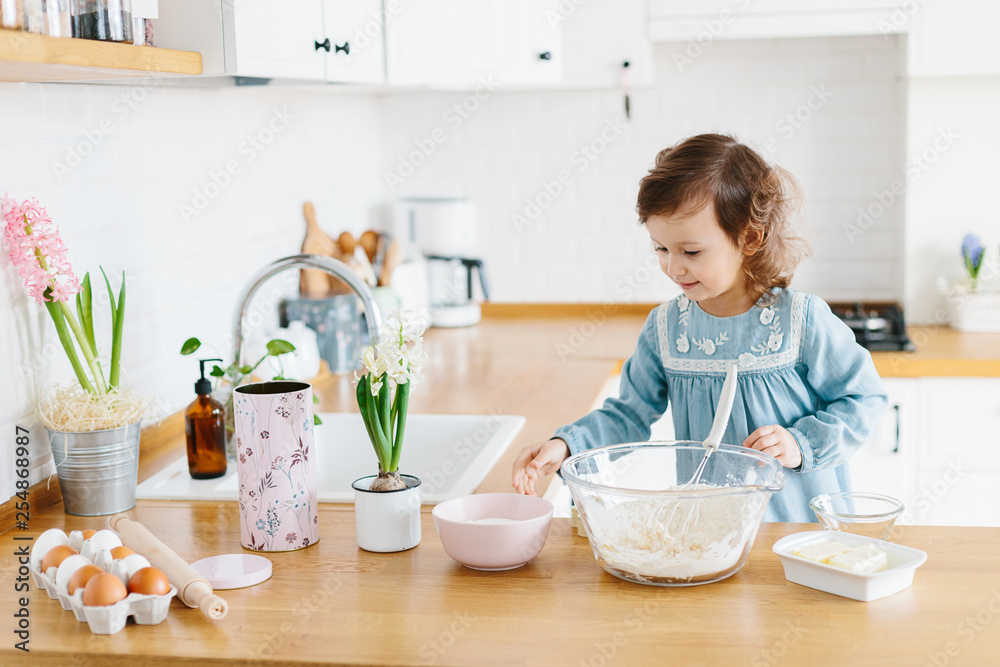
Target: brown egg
[56, 556]
[87, 534]
[103, 590]
[117, 553]
[81, 577]
[149, 581]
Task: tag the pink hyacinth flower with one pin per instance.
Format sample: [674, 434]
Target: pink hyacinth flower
[37, 251]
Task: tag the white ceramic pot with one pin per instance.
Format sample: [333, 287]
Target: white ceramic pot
[974, 312]
[387, 521]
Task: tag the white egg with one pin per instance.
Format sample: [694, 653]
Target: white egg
[52, 537]
[66, 569]
[100, 541]
[134, 562]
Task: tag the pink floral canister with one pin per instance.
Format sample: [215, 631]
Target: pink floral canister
[276, 466]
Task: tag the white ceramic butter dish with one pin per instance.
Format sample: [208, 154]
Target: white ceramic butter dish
[902, 562]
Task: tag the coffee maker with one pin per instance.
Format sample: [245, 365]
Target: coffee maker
[442, 235]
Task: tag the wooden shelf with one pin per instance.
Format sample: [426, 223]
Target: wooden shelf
[29, 57]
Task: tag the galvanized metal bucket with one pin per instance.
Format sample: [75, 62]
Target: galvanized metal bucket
[97, 470]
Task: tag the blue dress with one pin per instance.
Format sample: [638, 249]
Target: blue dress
[799, 367]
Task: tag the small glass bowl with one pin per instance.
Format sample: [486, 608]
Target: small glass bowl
[856, 512]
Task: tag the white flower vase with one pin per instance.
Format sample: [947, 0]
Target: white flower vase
[387, 521]
[974, 312]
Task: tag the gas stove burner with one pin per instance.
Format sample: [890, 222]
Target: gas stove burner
[877, 326]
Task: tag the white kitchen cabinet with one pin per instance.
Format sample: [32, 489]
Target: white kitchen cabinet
[959, 452]
[356, 51]
[462, 43]
[704, 22]
[598, 37]
[887, 463]
[270, 40]
[957, 497]
[954, 38]
[295, 39]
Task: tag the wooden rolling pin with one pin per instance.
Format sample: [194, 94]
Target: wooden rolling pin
[192, 589]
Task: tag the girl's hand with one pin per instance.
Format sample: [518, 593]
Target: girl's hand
[777, 442]
[536, 461]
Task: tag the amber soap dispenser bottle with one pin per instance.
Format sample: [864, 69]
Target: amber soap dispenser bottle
[205, 428]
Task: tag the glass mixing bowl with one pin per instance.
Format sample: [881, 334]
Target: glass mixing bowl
[644, 528]
[871, 514]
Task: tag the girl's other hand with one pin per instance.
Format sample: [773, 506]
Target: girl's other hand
[536, 461]
[777, 442]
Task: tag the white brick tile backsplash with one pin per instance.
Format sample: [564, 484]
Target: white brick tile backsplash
[119, 205]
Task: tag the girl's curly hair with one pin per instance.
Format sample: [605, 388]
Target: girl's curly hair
[755, 203]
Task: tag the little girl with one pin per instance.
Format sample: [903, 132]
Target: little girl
[719, 219]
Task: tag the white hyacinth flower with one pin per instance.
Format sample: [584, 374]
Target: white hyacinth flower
[398, 356]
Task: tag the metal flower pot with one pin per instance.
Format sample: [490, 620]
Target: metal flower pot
[98, 470]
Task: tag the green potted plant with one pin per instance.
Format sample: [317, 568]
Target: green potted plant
[232, 376]
[387, 505]
[93, 423]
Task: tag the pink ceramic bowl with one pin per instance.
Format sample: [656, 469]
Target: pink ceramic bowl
[493, 531]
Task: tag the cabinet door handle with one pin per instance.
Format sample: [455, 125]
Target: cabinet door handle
[325, 44]
[547, 55]
[895, 408]
[346, 48]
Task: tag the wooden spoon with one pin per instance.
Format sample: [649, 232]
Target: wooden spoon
[347, 244]
[369, 241]
[313, 283]
[393, 257]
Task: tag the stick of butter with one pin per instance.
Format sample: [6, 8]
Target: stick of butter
[863, 560]
[822, 552]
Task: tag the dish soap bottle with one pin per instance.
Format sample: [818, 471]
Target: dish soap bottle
[205, 429]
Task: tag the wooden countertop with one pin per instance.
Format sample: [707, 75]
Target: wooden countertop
[943, 352]
[546, 362]
[335, 604]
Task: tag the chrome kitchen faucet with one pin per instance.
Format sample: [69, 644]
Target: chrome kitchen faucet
[328, 264]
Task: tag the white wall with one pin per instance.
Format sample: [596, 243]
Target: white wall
[141, 154]
[114, 165]
[953, 61]
[583, 244]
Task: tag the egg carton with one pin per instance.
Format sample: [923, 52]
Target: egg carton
[109, 620]
[145, 609]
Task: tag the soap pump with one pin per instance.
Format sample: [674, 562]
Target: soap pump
[205, 429]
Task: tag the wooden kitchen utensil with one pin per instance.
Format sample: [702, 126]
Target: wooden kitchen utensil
[369, 241]
[393, 257]
[192, 589]
[347, 244]
[313, 283]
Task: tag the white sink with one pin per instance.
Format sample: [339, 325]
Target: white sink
[451, 454]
